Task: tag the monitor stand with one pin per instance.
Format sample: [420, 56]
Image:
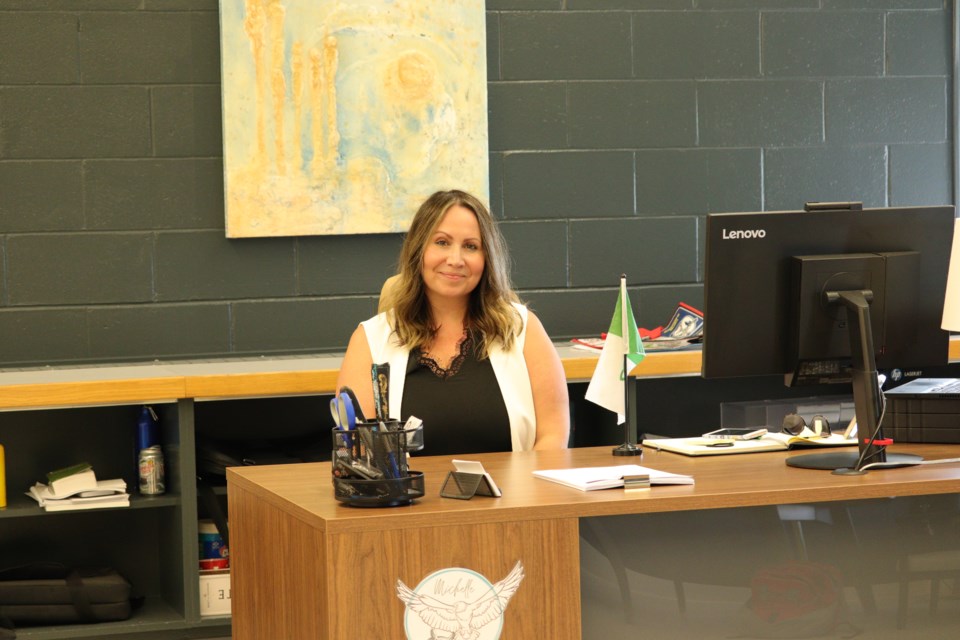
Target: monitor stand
[845, 462]
[867, 397]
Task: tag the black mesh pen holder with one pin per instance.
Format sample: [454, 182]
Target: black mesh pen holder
[370, 467]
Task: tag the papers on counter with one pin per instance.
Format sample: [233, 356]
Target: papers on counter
[591, 478]
[769, 442]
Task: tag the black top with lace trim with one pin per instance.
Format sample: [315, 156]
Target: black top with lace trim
[464, 346]
[461, 406]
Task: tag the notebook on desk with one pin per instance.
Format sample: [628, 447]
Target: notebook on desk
[769, 442]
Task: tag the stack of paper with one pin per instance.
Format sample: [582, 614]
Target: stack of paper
[77, 488]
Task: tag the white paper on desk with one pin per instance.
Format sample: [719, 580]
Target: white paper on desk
[472, 466]
[590, 478]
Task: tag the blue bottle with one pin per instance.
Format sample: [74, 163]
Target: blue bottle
[147, 431]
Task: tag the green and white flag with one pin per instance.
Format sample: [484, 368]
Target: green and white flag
[607, 387]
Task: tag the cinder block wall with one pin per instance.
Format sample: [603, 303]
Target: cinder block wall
[615, 125]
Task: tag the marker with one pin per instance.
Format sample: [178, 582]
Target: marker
[380, 376]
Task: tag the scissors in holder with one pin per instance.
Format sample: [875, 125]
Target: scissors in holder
[344, 409]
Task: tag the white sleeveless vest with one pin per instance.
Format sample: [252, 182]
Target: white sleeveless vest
[509, 367]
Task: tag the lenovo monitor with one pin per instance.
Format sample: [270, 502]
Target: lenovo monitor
[828, 294]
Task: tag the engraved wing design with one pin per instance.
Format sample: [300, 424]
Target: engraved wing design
[492, 605]
[463, 618]
[436, 614]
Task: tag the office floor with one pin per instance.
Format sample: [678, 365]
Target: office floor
[714, 612]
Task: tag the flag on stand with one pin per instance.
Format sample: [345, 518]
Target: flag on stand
[607, 387]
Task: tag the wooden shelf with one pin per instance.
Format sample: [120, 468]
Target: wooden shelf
[89, 386]
[153, 615]
[257, 378]
[20, 506]
[579, 364]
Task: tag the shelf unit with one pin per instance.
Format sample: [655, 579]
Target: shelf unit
[53, 417]
[148, 542]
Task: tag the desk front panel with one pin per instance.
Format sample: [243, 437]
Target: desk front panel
[891, 568]
[543, 606]
[293, 580]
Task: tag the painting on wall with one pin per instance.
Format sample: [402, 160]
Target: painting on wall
[342, 116]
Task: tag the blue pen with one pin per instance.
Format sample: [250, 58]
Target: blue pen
[385, 446]
[392, 457]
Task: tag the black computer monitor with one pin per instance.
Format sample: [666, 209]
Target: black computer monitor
[828, 294]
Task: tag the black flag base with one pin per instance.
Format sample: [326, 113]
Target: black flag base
[630, 422]
[627, 449]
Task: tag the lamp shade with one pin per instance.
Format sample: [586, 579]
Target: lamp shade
[951, 303]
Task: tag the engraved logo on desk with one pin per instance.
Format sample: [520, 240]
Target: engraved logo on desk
[457, 604]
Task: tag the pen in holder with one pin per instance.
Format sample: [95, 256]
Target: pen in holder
[370, 466]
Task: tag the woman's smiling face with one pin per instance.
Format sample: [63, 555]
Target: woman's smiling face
[453, 260]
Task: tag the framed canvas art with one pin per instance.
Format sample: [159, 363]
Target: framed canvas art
[342, 116]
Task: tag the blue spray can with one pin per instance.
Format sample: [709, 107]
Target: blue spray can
[147, 431]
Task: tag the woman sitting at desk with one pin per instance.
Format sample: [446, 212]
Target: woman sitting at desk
[465, 356]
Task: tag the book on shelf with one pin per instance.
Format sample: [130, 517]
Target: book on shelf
[592, 478]
[769, 442]
[66, 472]
[70, 480]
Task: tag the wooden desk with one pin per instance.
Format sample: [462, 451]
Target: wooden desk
[300, 560]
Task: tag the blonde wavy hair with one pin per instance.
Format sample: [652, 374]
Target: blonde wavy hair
[490, 314]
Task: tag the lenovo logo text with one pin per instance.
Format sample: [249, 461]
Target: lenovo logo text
[744, 234]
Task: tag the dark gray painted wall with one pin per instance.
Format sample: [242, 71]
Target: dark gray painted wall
[615, 125]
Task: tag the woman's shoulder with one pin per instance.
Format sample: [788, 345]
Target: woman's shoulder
[380, 334]
[521, 309]
[382, 322]
[516, 317]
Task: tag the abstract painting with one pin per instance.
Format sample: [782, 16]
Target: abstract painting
[342, 116]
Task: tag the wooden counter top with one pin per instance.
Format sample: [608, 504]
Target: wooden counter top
[745, 480]
[88, 386]
[255, 377]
